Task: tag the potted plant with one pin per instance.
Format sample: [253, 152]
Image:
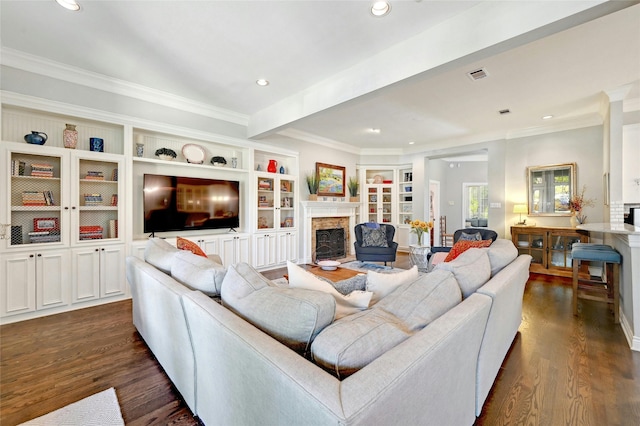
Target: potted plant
[353, 186]
[312, 184]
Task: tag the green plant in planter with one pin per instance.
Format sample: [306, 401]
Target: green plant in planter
[166, 151]
[353, 186]
[312, 183]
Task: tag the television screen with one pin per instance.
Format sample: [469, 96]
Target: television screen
[174, 203]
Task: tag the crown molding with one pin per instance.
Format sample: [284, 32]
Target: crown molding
[318, 140]
[38, 65]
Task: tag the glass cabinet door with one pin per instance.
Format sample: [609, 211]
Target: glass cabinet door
[287, 203]
[266, 203]
[36, 212]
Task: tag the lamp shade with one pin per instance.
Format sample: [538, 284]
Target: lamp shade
[520, 208]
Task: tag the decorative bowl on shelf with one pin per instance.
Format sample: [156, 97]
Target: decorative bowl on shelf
[218, 161]
[370, 180]
[328, 265]
[166, 154]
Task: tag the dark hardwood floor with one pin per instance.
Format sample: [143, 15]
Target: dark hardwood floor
[561, 369]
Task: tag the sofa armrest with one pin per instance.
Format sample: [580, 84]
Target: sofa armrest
[506, 290]
[215, 258]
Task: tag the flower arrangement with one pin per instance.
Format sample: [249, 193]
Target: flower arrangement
[577, 203]
[419, 227]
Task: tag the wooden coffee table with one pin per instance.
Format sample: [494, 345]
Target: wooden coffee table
[335, 276]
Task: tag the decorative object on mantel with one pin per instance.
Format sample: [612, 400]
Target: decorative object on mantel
[419, 227]
[166, 154]
[576, 204]
[272, 167]
[521, 208]
[282, 171]
[218, 161]
[36, 138]
[353, 186]
[70, 136]
[312, 184]
[193, 153]
[96, 144]
[140, 145]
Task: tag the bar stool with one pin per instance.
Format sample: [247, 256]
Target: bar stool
[604, 291]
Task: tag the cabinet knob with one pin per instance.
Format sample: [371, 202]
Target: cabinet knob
[73, 208]
[102, 249]
[96, 249]
[66, 208]
[39, 254]
[31, 256]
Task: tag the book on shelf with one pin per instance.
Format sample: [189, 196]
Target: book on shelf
[37, 198]
[113, 228]
[44, 170]
[114, 175]
[114, 199]
[91, 232]
[94, 175]
[17, 168]
[92, 199]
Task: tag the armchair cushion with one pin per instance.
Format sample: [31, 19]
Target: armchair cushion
[465, 236]
[374, 237]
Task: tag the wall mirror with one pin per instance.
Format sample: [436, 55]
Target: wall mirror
[550, 188]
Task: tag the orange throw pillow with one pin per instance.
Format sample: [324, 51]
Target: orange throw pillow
[184, 244]
[462, 246]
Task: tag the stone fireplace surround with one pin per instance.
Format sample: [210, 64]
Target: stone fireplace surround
[327, 215]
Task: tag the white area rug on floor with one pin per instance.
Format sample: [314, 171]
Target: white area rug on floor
[100, 409]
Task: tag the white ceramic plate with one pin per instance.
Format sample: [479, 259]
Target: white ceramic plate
[193, 153]
[328, 265]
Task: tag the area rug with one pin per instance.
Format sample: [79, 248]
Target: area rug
[100, 409]
[364, 267]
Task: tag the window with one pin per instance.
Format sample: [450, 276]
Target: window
[475, 204]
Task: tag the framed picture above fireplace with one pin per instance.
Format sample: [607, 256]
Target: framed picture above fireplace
[331, 180]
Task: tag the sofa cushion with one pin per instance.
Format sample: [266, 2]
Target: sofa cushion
[464, 245]
[354, 341]
[383, 284]
[501, 253]
[159, 254]
[374, 237]
[345, 305]
[184, 244]
[293, 316]
[197, 272]
[471, 269]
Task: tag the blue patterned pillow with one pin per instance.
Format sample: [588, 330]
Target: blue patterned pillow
[374, 237]
[464, 236]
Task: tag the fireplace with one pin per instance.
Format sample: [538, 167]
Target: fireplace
[328, 216]
[330, 244]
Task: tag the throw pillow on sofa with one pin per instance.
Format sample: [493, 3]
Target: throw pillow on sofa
[472, 269]
[345, 305]
[351, 343]
[159, 254]
[464, 245]
[184, 244]
[292, 316]
[197, 272]
[383, 284]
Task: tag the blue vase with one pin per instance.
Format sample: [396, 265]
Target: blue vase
[281, 170]
[36, 138]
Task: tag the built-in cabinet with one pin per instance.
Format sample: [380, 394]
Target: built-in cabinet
[550, 247]
[62, 209]
[70, 216]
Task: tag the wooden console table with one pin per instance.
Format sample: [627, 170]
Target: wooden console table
[550, 247]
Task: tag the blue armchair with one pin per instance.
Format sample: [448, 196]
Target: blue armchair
[367, 249]
[485, 234]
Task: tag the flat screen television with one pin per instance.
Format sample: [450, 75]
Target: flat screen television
[175, 203]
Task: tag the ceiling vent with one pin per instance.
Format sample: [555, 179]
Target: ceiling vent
[504, 111]
[478, 74]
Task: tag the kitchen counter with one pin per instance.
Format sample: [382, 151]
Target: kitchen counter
[611, 228]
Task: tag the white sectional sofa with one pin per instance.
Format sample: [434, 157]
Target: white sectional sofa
[237, 364]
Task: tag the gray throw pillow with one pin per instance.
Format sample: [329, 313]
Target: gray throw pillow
[358, 282]
[464, 236]
[376, 237]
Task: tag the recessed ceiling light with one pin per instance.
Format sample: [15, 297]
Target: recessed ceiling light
[547, 117]
[380, 8]
[375, 130]
[411, 143]
[69, 4]
[262, 82]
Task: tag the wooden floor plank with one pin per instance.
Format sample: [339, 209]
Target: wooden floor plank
[561, 369]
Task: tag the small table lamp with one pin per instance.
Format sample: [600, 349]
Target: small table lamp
[521, 208]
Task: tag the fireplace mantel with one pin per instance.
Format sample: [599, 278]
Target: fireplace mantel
[319, 209]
